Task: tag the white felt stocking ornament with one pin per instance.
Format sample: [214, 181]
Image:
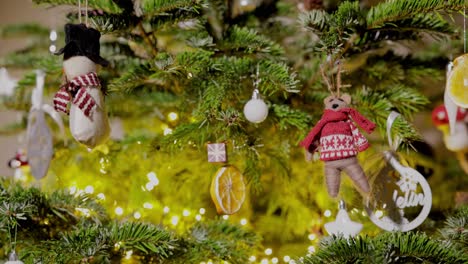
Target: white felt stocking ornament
[39, 137]
[13, 259]
[89, 124]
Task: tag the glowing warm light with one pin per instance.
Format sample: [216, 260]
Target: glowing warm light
[186, 212]
[139, 142]
[378, 213]
[312, 237]
[148, 205]
[118, 211]
[243, 221]
[198, 217]
[264, 261]
[172, 116]
[286, 258]
[311, 249]
[167, 131]
[101, 196]
[149, 186]
[153, 178]
[252, 258]
[166, 209]
[225, 217]
[128, 254]
[73, 190]
[117, 245]
[89, 189]
[84, 211]
[52, 48]
[175, 220]
[53, 35]
[202, 210]
[327, 213]
[137, 215]
[268, 251]
[363, 213]
[274, 260]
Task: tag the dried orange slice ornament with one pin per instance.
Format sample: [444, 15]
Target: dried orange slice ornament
[228, 190]
[457, 84]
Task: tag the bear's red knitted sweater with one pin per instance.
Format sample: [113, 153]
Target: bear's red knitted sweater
[337, 136]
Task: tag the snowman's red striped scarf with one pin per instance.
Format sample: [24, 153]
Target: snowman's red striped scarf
[81, 98]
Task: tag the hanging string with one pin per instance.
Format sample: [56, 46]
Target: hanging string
[86, 15]
[79, 11]
[464, 27]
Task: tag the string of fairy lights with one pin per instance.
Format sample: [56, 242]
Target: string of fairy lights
[184, 217]
[173, 218]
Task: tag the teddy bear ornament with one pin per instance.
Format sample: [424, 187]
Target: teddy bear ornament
[338, 139]
[89, 124]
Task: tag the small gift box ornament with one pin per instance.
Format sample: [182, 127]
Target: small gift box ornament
[217, 152]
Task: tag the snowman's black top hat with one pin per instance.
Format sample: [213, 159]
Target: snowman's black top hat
[82, 41]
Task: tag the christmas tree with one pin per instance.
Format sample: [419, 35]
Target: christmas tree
[252, 76]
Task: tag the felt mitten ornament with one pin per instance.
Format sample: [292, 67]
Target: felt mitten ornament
[338, 140]
[89, 124]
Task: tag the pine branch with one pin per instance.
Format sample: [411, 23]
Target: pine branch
[83, 245]
[154, 7]
[406, 100]
[276, 77]
[221, 241]
[391, 11]
[12, 128]
[28, 60]
[288, 118]
[106, 5]
[246, 41]
[140, 103]
[377, 107]
[24, 30]
[161, 71]
[415, 247]
[181, 137]
[387, 247]
[318, 21]
[88, 241]
[412, 28]
[455, 230]
[113, 23]
[337, 250]
[148, 239]
[173, 17]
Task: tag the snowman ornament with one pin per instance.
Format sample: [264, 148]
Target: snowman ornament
[81, 96]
